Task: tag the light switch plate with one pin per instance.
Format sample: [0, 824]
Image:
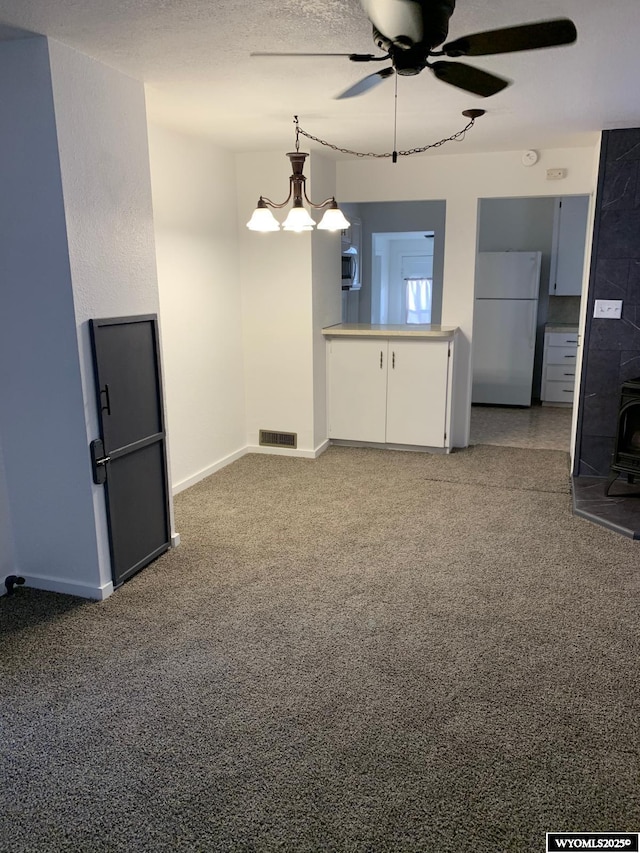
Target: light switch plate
[609, 309]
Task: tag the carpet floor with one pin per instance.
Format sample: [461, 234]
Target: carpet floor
[372, 651]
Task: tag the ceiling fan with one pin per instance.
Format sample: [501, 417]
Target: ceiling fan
[409, 30]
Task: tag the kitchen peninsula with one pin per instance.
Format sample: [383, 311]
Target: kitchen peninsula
[390, 385]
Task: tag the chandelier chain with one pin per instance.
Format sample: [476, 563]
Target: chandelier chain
[459, 136]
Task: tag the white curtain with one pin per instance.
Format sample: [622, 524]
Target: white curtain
[419, 300]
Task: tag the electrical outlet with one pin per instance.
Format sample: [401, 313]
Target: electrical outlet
[609, 309]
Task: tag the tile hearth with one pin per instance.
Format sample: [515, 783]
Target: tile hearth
[620, 511]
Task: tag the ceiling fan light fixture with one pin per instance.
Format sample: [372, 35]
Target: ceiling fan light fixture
[262, 219]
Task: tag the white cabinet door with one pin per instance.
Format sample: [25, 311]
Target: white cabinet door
[417, 392]
[569, 240]
[357, 389]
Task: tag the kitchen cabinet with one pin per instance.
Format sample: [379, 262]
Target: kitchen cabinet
[559, 367]
[390, 390]
[568, 246]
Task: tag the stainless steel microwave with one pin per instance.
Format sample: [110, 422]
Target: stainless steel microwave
[349, 269]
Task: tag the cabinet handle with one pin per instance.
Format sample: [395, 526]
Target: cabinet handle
[568, 374]
[380, 359]
[566, 391]
[569, 356]
[571, 342]
[393, 360]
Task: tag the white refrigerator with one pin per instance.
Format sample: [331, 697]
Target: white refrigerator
[504, 327]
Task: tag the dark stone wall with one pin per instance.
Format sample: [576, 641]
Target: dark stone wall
[611, 352]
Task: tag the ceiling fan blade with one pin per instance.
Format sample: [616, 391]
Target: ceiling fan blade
[366, 83]
[509, 39]
[354, 57]
[469, 78]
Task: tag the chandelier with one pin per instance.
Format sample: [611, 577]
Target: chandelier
[298, 218]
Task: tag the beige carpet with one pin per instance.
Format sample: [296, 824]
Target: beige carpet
[373, 651]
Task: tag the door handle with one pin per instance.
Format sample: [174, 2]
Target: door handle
[534, 323]
[99, 462]
[105, 391]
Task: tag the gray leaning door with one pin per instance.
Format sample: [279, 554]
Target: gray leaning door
[130, 456]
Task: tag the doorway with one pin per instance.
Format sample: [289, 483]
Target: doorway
[402, 276]
[537, 427]
[557, 228]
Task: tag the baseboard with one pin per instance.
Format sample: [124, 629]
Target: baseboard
[250, 448]
[320, 449]
[288, 451]
[98, 593]
[210, 469]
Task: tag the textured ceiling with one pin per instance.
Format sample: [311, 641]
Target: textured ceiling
[194, 57]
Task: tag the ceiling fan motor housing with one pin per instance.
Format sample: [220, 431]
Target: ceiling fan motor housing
[432, 29]
[408, 56]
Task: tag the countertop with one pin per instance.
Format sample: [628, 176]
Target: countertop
[376, 330]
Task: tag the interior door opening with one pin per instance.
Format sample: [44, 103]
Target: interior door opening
[557, 228]
[402, 277]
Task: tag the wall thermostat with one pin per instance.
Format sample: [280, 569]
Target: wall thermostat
[529, 158]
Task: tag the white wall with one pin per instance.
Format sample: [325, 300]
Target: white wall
[104, 162]
[290, 288]
[8, 565]
[276, 309]
[47, 470]
[76, 241]
[461, 180]
[197, 249]
[327, 292]
[518, 224]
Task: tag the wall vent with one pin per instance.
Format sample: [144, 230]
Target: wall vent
[269, 438]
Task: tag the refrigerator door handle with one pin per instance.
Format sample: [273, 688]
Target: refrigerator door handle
[534, 321]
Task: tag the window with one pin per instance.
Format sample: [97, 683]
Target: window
[418, 300]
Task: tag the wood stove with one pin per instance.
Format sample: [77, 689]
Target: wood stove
[626, 453]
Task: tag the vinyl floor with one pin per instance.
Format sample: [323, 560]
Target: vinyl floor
[538, 427]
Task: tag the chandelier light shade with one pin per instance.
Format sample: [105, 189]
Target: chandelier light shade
[298, 218]
[262, 219]
[333, 219]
